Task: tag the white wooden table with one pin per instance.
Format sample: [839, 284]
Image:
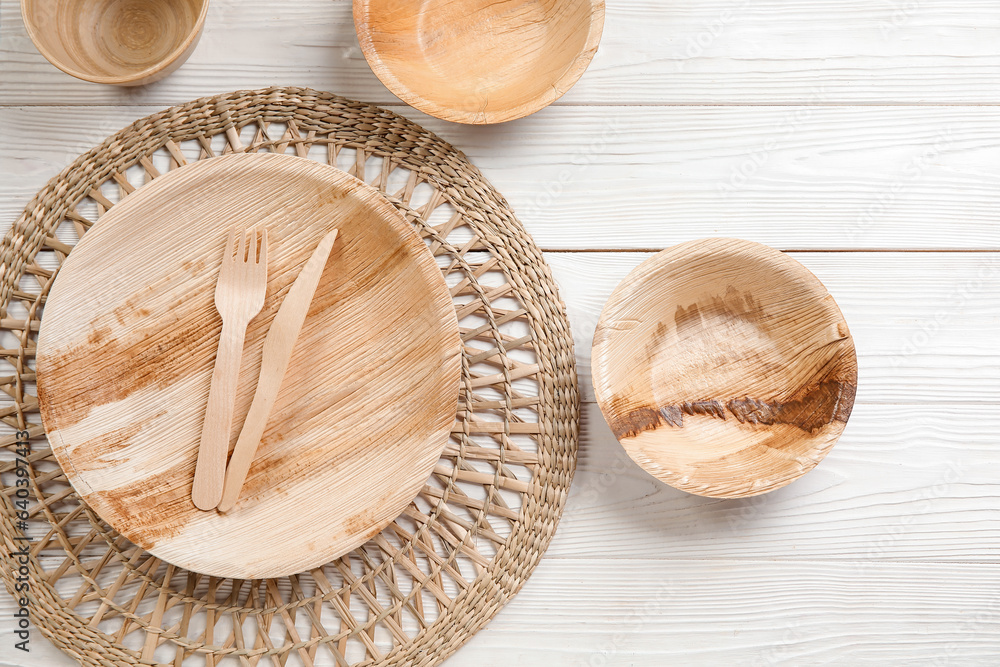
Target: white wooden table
[861, 136]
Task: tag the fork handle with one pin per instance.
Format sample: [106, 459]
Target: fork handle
[210, 471]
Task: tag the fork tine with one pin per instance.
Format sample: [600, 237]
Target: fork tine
[262, 256]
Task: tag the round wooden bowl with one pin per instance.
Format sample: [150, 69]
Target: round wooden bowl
[122, 42]
[126, 352]
[724, 367]
[479, 61]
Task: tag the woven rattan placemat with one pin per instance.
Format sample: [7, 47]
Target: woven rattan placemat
[419, 590]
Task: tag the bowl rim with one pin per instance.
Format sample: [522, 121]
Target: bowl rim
[139, 76]
[429, 106]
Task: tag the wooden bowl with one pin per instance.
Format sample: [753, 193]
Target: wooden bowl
[479, 61]
[122, 42]
[128, 342]
[724, 367]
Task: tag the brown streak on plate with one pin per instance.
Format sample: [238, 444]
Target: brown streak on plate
[148, 358]
[105, 449]
[818, 406]
[710, 408]
[155, 510]
[814, 410]
[634, 422]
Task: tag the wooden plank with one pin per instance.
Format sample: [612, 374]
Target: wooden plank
[645, 613]
[790, 177]
[925, 324]
[904, 483]
[648, 613]
[819, 178]
[652, 52]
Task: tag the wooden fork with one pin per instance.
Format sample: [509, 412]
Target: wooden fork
[239, 296]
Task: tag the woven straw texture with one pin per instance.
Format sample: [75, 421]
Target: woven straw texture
[460, 551]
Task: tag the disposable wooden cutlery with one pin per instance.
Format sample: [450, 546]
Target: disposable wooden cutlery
[277, 352]
[239, 296]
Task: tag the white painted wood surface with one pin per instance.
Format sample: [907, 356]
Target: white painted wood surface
[648, 177]
[850, 132]
[652, 52]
